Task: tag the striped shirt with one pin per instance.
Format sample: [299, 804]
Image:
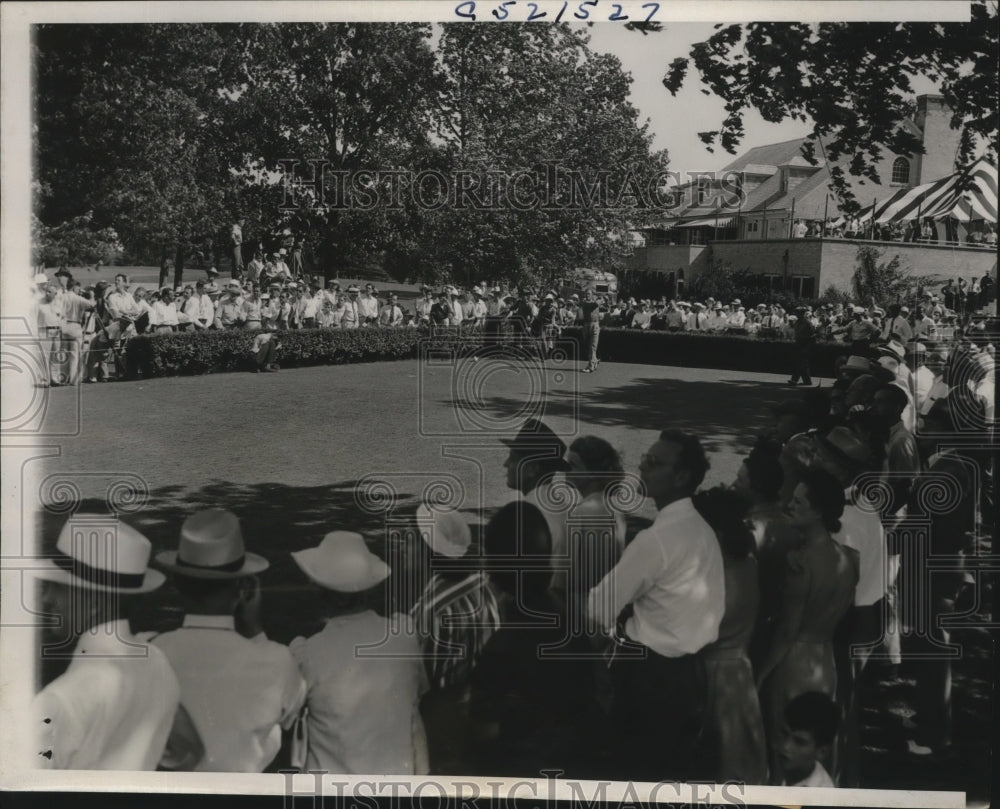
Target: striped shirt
[455, 618]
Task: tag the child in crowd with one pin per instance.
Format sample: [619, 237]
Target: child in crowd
[811, 721]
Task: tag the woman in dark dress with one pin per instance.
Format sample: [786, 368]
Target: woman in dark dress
[817, 591]
[733, 722]
[760, 479]
[532, 705]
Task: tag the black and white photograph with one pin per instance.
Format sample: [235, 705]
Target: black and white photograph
[497, 400]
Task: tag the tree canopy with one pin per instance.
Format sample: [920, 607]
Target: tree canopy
[170, 133]
[852, 81]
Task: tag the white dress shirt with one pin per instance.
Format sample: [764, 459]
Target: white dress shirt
[480, 310]
[457, 316]
[112, 709]
[350, 317]
[819, 777]
[390, 316]
[123, 303]
[672, 574]
[201, 310]
[364, 704]
[367, 305]
[163, 314]
[923, 381]
[898, 325]
[861, 529]
[239, 692]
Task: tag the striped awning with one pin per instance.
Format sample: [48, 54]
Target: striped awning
[722, 221]
[966, 195]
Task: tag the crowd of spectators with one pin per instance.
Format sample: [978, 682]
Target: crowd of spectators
[981, 234]
[83, 329]
[730, 640]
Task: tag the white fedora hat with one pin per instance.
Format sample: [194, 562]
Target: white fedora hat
[342, 562]
[447, 534]
[98, 552]
[211, 547]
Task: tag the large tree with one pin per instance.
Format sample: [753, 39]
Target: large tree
[348, 97]
[536, 98]
[129, 132]
[852, 81]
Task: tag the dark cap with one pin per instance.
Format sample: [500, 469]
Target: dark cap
[537, 439]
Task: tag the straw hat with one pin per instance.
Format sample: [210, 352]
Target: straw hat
[342, 562]
[98, 552]
[211, 547]
[448, 534]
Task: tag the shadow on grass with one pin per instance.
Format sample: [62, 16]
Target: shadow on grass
[724, 414]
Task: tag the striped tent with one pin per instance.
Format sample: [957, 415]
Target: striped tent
[966, 195]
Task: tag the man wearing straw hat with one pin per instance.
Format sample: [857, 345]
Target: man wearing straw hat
[240, 691]
[363, 668]
[114, 708]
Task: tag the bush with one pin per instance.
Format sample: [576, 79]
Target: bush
[188, 353]
[699, 350]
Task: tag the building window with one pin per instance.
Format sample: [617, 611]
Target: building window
[901, 171]
[803, 286]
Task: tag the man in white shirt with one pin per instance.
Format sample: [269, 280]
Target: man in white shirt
[363, 708]
[738, 319]
[200, 309]
[351, 317]
[924, 327]
[671, 577]
[240, 688]
[236, 247]
[897, 327]
[922, 378]
[120, 302]
[308, 306]
[479, 307]
[457, 313]
[642, 318]
[368, 306]
[676, 317]
[391, 314]
[229, 313]
[164, 314]
[49, 322]
[718, 321]
[698, 319]
[281, 270]
[115, 706]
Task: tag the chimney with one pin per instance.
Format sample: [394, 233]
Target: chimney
[939, 139]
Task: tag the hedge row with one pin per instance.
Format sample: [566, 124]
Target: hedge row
[186, 353]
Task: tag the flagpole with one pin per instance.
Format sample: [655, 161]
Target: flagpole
[826, 207]
[791, 221]
[871, 225]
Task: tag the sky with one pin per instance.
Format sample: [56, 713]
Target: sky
[676, 120]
